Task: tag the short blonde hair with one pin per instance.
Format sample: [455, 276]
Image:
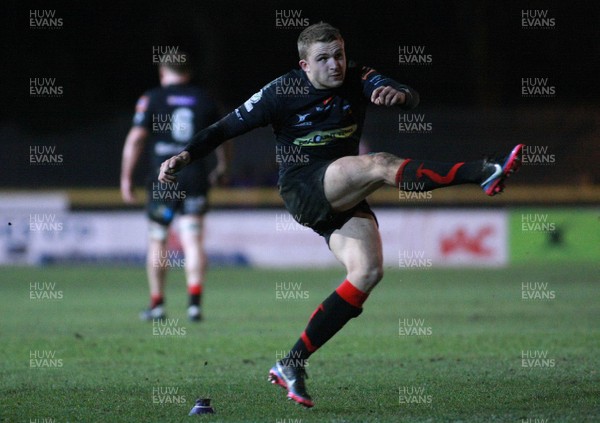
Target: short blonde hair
[319, 32]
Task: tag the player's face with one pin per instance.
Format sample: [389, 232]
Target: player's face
[325, 64]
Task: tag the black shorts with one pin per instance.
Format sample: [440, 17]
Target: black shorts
[187, 196]
[303, 193]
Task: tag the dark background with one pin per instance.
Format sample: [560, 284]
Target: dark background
[471, 93]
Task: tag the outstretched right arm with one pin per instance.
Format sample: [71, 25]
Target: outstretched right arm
[257, 111]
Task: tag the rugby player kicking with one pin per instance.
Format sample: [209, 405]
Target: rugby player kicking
[327, 192]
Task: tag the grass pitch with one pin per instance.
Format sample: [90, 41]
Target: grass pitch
[430, 346]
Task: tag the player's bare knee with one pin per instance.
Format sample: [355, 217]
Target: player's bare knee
[190, 227]
[375, 275]
[367, 277]
[383, 159]
[382, 162]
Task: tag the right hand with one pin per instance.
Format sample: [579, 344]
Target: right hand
[387, 96]
[171, 166]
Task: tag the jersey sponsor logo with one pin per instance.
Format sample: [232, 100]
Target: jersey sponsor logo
[317, 138]
[249, 104]
[181, 100]
[302, 120]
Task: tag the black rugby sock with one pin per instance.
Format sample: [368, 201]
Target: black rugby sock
[425, 175]
[195, 293]
[331, 315]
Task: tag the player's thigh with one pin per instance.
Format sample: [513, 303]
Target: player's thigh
[347, 172]
[357, 245]
[349, 180]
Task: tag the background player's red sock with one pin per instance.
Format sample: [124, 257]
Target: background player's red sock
[331, 315]
[425, 175]
[156, 300]
[195, 292]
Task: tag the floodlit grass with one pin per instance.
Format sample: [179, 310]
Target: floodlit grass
[83, 355]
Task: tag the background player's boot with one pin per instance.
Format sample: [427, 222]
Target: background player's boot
[292, 379]
[155, 313]
[500, 170]
[194, 313]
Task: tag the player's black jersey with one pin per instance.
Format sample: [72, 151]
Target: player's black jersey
[173, 114]
[309, 124]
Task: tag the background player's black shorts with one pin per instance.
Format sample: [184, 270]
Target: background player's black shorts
[187, 196]
[303, 193]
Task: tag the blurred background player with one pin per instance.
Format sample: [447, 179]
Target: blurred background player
[169, 116]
